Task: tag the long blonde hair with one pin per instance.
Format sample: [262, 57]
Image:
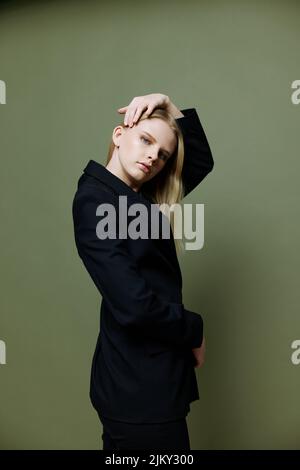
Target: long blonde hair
[167, 186]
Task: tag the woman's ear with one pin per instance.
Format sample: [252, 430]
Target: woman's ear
[117, 134]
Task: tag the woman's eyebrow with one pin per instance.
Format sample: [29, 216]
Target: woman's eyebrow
[166, 151]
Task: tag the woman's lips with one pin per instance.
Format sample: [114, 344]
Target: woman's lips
[144, 167]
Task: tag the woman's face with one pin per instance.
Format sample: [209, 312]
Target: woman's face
[150, 142]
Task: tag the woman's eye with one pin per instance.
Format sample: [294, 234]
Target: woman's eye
[163, 157]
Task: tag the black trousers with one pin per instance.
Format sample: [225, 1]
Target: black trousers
[159, 436]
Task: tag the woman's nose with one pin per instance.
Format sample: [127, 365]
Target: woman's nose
[153, 157]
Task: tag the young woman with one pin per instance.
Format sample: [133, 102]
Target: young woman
[142, 376]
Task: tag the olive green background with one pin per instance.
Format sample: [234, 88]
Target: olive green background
[68, 66]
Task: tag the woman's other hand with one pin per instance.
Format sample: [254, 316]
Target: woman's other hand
[199, 354]
[141, 103]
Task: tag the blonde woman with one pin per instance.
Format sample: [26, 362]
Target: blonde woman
[142, 375]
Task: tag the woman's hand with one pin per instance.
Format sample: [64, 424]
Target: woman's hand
[141, 103]
[199, 354]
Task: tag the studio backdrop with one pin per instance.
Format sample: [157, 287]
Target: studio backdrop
[65, 69]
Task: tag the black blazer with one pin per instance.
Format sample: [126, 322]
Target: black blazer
[143, 367]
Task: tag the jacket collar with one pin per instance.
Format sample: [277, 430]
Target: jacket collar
[99, 171]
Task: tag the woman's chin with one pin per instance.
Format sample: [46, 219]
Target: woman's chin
[138, 173]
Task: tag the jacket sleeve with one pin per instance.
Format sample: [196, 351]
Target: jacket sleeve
[133, 303]
[198, 160]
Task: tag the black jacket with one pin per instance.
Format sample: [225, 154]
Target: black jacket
[143, 366]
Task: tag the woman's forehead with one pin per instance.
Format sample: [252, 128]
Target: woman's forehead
[158, 129]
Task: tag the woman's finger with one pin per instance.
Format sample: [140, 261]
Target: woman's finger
[130, 116]
[149, 110]
[126, 118]
[134, 112]
[138, 113]
[140, 110]
[135, 116]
